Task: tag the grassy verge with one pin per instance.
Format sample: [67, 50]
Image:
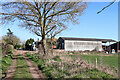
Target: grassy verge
[53, 68]
[6, 62]
[0, 52]
[22, 70]
[41, 63]
[0, 61]
[94, 73]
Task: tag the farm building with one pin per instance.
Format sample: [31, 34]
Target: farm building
[115, 46]
[81, 44]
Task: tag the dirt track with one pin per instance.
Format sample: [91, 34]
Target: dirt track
[36, 73]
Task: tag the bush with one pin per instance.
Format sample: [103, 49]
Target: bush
[7, 49]
[17, 46]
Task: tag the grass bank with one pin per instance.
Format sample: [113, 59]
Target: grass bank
[6, 62]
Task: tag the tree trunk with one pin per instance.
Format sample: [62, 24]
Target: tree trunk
[44, 45]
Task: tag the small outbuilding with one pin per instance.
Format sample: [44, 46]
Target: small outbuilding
[81, 44]
[115, 46]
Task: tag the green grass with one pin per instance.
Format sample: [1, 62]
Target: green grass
[111, 61]
[57, 58]
[22, 70]
[6, 62]
[0, 50]
[0, 61]
[94, 73]
[0, 56]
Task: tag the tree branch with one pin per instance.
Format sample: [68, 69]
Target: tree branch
[50, 29]
[12, 14]
[106, 7]
[51, 7]
[64, 10]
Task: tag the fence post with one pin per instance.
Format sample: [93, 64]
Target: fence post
[95, 62]
[101, 61]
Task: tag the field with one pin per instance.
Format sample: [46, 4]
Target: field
[110, 60]
[104, 62]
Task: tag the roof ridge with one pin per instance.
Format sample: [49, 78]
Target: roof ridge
[93, 39]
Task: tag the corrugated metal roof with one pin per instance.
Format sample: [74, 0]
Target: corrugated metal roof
[88, 39]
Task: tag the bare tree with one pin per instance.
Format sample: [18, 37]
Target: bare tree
[45, 19]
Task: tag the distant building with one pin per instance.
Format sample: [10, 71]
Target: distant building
[81, 44]
[38, 43]
[115, 46]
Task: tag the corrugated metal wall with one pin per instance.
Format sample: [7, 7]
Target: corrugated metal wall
[73, 45]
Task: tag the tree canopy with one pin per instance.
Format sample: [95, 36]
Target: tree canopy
[10, 38]
[29, 43]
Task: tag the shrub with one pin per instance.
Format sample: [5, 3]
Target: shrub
[17, 46]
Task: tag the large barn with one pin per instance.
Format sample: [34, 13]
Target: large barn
[81, 44]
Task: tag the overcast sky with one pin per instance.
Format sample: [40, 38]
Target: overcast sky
[92, 25]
